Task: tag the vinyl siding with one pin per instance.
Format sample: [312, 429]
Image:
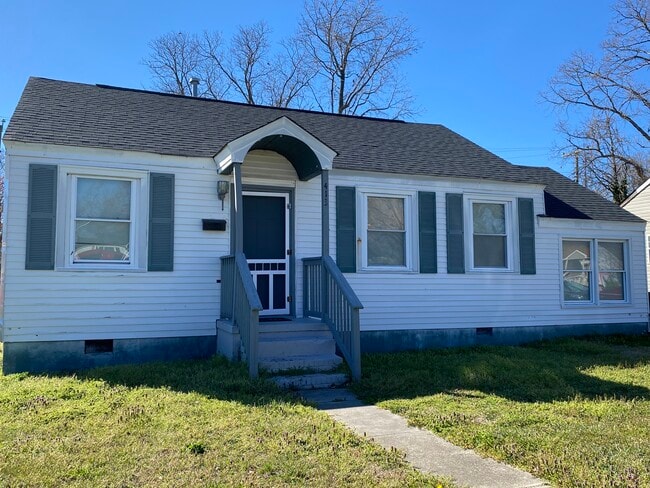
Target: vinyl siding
[640, 206]
[77, 305]
[409, 300]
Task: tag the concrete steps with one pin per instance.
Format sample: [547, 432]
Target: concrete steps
[318, 381]
[289, 345]
[285, 345]
[323, 362]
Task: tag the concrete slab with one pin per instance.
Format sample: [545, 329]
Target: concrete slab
[425, 451]
[318, 381]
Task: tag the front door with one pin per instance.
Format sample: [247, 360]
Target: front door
[266, 238]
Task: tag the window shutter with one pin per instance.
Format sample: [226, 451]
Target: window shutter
[346, 229]
[526, 236]
[161, 222]
[427, 226]
[41, 216]
[455, 234]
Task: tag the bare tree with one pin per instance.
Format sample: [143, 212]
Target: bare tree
[178, 56]
[244, 63]
[344, 59]
[287, 84]
[174, 58]
[605, 103]
[356, 50]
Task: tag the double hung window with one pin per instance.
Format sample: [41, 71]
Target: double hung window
[386, 229]
[490, 229]
[105, 219]
[103, 210]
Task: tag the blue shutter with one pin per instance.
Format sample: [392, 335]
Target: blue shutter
[455, 234]
[41, 216]
[526, 236]
[346, 229]
[161, 222]
[427, 229]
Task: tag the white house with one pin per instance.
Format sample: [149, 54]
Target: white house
[638, 203]
[136, 221]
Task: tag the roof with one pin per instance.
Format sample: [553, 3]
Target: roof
[100, 116]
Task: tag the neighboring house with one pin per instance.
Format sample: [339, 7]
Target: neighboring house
[638, 203]
[118, 248]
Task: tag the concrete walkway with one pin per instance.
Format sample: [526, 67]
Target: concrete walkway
[425, 451]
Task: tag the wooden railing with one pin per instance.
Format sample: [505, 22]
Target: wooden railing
[329, 296]
[241, 303]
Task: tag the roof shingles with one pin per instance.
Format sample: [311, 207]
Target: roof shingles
[75, 114]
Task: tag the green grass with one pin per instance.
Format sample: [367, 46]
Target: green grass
[575, 412]
[197, 423]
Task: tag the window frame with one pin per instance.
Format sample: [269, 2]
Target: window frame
[509, 205]
[410, 229]
[138, 229]
[595, 271]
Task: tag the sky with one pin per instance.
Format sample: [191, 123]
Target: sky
[480, 71]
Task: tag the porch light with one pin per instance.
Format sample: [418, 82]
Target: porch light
[223, 187]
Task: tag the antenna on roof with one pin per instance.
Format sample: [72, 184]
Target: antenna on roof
[195, 86]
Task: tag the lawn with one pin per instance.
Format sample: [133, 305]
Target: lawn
[196, 423]
[575, 411]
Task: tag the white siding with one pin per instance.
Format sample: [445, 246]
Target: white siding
[409, 300]
[76, 305]
[640, 206]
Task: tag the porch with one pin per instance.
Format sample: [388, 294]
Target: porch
[261, 270]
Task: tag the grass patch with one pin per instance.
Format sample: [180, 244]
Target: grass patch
[193, 423]
[574, 411]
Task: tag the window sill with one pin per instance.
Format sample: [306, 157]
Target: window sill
[106, 269]
[600, 305]
[379, 270]
[491, 270]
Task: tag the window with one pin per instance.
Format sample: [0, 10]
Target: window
[587, 260]
[102, 220]
[576, 258]
[386, 227]
[611, 271]
[104, 223]
[490, 230]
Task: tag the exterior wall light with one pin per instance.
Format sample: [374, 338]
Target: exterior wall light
[223, 187]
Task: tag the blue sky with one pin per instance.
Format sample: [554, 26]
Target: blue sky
[479, 72]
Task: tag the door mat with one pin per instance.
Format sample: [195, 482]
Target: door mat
[275, 319]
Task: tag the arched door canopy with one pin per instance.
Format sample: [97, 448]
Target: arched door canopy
[306, 153]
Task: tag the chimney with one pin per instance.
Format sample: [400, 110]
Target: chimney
[195, 86]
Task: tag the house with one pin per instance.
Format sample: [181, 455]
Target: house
[147, 226]
[638, 203]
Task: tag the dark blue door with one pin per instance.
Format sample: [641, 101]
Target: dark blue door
[265, 246]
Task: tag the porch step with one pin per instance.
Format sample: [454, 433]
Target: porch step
[284, 345]
[323, 362]
[311, 381]
[312, 326]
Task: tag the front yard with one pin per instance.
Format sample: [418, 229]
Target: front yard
[575, 412]
[199, 423]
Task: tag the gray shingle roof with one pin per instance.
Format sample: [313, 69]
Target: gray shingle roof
[75, 114]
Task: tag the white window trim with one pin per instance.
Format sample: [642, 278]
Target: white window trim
[595, 272]
[511, 229]
[410, 244]
[65, 219]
